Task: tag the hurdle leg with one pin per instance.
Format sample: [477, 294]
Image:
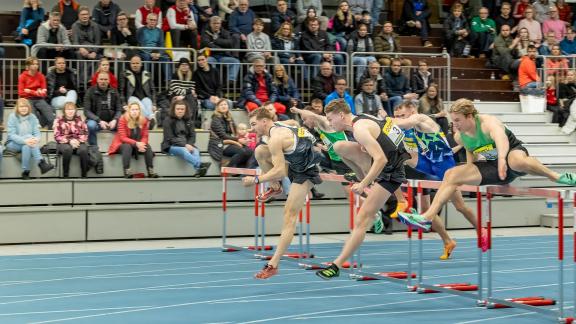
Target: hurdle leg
[409, 235]
[308, 226]
[224, 211]
[256, 217]
[481, 302]
[263, 221]
[561, 256]
[420, 243]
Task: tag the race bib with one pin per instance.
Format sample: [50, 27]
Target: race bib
[394, 133]
[486, 153]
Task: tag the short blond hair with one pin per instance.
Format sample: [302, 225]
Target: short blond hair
[337, 106]
[464, 106]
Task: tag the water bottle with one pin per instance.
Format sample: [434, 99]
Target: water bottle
[492, 76]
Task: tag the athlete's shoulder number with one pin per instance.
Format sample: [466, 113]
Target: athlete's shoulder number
[394, 133]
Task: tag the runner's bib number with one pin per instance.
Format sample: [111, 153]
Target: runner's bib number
[394, 133]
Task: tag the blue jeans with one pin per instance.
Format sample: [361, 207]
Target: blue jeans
[377, 7]
[93, 129]
[312, 63]
[60, 101]
[192, 158]
[232, 64]
[27, 153]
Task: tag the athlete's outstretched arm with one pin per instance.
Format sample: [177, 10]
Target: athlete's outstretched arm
[407, 123]
[322, 121]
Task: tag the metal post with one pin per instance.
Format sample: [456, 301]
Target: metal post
[480, 301]
[489, 229]
[224, 211]
[351, 226]
[263, 220]
[409, 235]
[359, 250]
[420, 243]
[308, 225]
[561, 254]
[256, 193]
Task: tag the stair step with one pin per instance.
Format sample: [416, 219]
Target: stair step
[417, 41]
[485, 85]
[531, 129]
[421, 49]
[534, 139]
[472, 73]
[511, 118]
[535, 149]
[488, 95]
[495, 107]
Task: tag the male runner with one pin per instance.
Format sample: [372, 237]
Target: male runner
[285, 144]
[377, 157]
[494, 157]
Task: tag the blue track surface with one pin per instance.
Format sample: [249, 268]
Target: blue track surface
[208, 286]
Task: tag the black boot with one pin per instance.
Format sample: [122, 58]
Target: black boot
[316, 194]
[151, 173]
[45, 166]
[128, 174]
[202, 169]
[26, 175]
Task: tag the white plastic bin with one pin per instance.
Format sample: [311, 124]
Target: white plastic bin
[532, 104]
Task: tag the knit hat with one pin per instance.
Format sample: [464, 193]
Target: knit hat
[183, 60]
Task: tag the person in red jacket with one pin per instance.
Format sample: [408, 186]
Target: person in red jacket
[32, 86]
[104, 66]
[527, 74]
[132, 140]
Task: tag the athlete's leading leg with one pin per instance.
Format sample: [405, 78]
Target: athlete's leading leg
[354, 157]
[518, 160]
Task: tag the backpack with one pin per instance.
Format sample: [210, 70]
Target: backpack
[95, 159]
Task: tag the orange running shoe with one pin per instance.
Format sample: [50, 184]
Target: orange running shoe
[266, 272]
[269, 194]
[448, 248]
[400, 207]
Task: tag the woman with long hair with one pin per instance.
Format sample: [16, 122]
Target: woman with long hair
[131, 140]
[284, 40]
[343, 24]
[104, 66]
[224, 141]
[288, 94]
[432, 105]
[71, 136]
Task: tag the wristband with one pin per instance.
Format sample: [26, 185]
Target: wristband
[256, 180]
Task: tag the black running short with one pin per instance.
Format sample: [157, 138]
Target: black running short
[489, 170]
[392, 179]
[312, 174]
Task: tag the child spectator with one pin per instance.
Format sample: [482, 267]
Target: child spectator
[258, 40]
[246, 136]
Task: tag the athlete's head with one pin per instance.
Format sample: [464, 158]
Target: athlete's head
[336, 112]
[406, 109]
[463, 114]
[261, 120]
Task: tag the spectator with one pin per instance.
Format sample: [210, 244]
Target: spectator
[124, 35]
[268, 105]
[551, 98]
[534, 27]
[104, 67]
[259, 88]
[182, 88]
[284, 40]
[527, 75]
[566, 96]
[32, 86]
[86, 32]
[432, 105]
[68, 10]
[102, 107]
[397, 85]
[281, 15]
[136, 86]
[324, 83]
[340, 93]
[556, 65]
[31, 17]
[468, 9]
[24, 137]
[288, 94]
[71, 135]
[226, 8]
[421, 79]
[52, 32]
[165, 4]
[520, 9]
[377, 6]
[310, 14]
[223, 138]
[483, 32]
[360, 42]
[215, 37]
[151, 36]
[541, 10]
[524, 40]
[502, 54]
[183, 26]
[315, 39]
[317, 107]
[143, 12]
[303, 8]
[564, 11]
[204, 10]
[359, 7]
[456, 31]
[241, 19]
[388, 42]
[415, 14]
[131, 140]
[368, 101]
[258, 40]
[207, 82]
[180, 137]
[568, 45]
[61, 84]
[245, 134]
[374, 72]
[104, 15]
[554, 24]
[505, 18]
[546, 46]
[343, 24]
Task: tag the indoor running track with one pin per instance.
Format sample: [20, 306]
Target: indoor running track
[209, 286]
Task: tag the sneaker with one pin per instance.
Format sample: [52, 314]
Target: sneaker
[266, 272]
[328, 273]
[411, 23]
[400, 207]
[45, 166]
[378, 223]
[448, 248]
[414, 220]
[428, 44]
[484, 239]
[202, 169]
[26, 175]
[269, 194]
[152, 123]
[567, 178]
[351, 177]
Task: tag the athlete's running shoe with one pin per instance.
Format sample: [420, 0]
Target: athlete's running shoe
[448, 248]
[269, 194]
[328, 273]
[351, 177]
[484, 239]
[400, 207]
[415, 220]
[266, 272]
[378, 222]
[567, 178]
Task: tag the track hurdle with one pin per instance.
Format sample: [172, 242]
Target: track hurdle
[529, 303]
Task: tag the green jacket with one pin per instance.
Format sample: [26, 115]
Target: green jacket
[483, 26]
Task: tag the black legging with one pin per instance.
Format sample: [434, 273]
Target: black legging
[238, 155]
[128, 151]
[66, 150]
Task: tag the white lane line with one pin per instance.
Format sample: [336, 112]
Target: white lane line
[75, 310]
[434, 310]
[496, 318]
